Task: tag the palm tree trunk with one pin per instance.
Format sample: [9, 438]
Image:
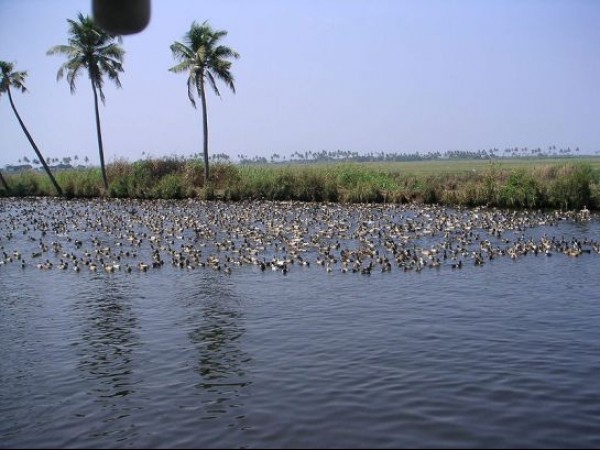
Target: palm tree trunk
[35, 148]
[99, 133]
[205, 123]
[4, 183]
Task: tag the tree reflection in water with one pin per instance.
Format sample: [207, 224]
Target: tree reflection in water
[108, 339]
[215, 321]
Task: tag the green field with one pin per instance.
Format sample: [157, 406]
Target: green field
[463, 166]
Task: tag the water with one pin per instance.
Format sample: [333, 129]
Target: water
[500, 355]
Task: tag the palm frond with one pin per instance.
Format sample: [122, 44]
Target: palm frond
[213, 84]
[67, 50]
[183, 66]
[11, 78]
[90, 48]
[192, 84]
[181, 51]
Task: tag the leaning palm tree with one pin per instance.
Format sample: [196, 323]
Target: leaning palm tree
[93, 50]
[202, 56]
[16, 79]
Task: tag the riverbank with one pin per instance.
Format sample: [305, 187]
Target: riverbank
[560, 184]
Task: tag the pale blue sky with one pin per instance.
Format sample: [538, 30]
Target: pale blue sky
[379, 75]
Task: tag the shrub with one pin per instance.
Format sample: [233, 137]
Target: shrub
[572, 189]
[169, 186]
[26, 184]
[222, 174]
[521, 191]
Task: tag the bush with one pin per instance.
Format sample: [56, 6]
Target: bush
[521, 191]
[26, 184]
[222, 174]
[573, 187]
[193, 174]
[80, 183]
[169, 186]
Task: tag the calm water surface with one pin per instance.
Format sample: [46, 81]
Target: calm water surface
[502, 355]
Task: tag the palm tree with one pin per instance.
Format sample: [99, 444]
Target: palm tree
[16, 79]
[93, 50]
[202, 56]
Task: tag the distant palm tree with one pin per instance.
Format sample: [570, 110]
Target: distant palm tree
[202, 56]
[91, 49]
[16, 79]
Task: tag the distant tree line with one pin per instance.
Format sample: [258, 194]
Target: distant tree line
[310, 157]
[324, 156]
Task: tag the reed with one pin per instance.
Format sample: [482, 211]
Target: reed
[562, 185]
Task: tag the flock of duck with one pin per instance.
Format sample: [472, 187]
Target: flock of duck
[124, 236]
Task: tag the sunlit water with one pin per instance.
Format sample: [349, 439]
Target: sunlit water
[502, 355]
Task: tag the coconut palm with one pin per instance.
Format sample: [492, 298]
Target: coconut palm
[92, 50]
[205, 59]
[10, 78]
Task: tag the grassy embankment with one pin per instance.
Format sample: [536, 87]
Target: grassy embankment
[564, 183]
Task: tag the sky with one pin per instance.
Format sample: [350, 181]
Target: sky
[359, 75]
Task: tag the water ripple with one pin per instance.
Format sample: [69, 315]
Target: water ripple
[500, 357]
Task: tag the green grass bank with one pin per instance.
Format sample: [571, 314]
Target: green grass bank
[560, 184]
